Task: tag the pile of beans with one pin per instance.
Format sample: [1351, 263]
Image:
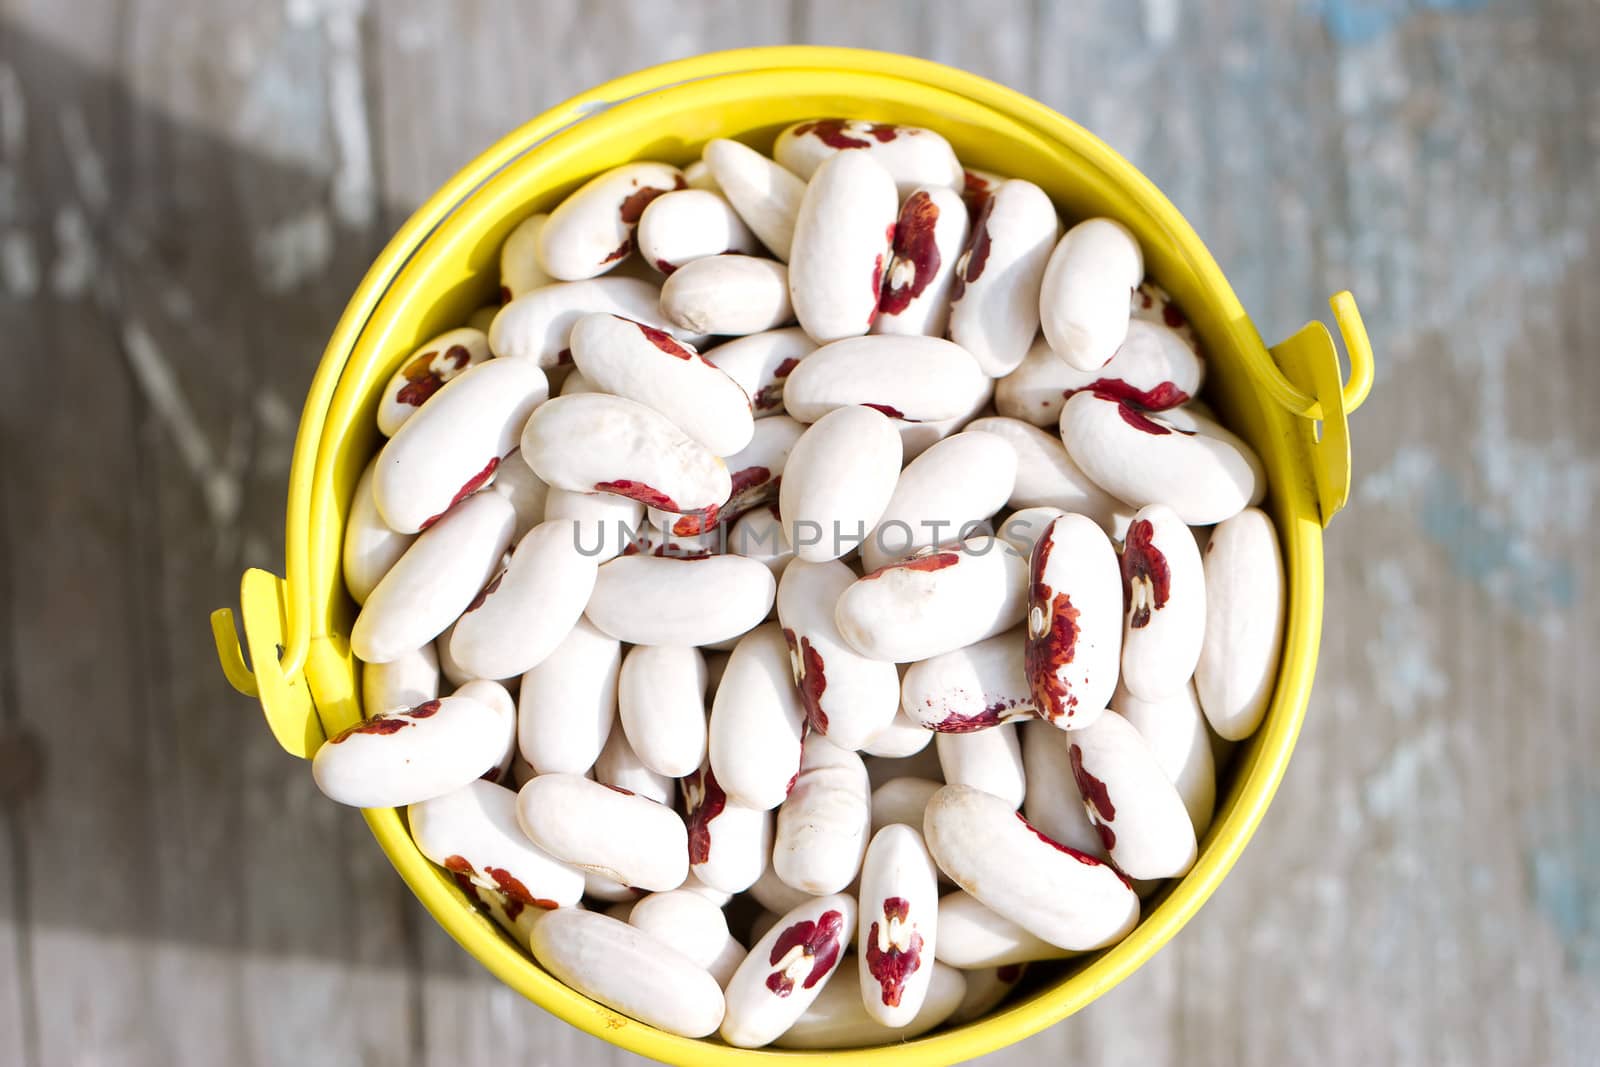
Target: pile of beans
[771, 483]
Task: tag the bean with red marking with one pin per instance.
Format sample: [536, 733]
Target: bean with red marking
[1062, 896]
[1074, 622]
[838, 1018]
[761, 364]
[1153, 368]
[537, 325]
[689, 224]
[473, 831]
[913, 156]
[1177, 458]
[936, 601]
[424, 373]
[729, 843]
[897, 932]
[847, 696]
[595, 442]
[451, 448]
[607, 524]
[916, 379]
[596, 828]
[986, 988]
[755, 471]
[1084, 301]
[994, 304]
[757, 722]
[928, 238]
[405, 682]
[971, 688]
[404, 757]
[592, 229]
[787, 969]
[1244, 623]
[1141, 818]
[1151, 303]
[823, 823]
[1052, 801]
[434, 581]
[841, 246]
[1164, 590]
[766, 196]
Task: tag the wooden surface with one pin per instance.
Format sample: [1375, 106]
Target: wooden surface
[188, 191]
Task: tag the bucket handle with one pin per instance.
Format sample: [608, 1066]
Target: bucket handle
[285, 698]
[1309, 365]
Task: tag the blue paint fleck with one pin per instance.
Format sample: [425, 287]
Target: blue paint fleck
[1355, 22]
[1564, 872]
[1483, 550]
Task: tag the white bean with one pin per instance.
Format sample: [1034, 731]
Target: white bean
[1175, 729]
[1165, 618]
[904, 736]
[647, 600]
[972, 936]
[838, 1019]
[606, 831]
[1244, 623]
[370, 546]
[1048, 477]
[897, 931]
[698, 175]
[823, 822]
[776, 895]
[450, 448]
[594, 442]
[728, 294]
[434, 581]
[628, 971]
[766, 196]
[990, 760]
[1141, 818]
[405, 682]
[526, 611]
[592, 229]
[567, 704]
[661, 701]
[902, 800]
[515, 481]
[729, 844]
[757, 721]
[986, 988]
[837, 482]
[425, 371]
[688, 922]
[404, 757]
[761, 364]
[1074, 622]
[473, 831]
[911, 378]
[935, 602]
[606, 523]
[690, 224]
[1083, 305]
[493, 695]
[642, 363]
[928, 238]
[912, 155]
[758, 535]
[944, 494]
[846, 696]
[1023, 528]
[620, 766]
[786, 970]
[841, 246]
[520, 270]
[971, 688]
[1065, 897]
[1177, 458]
[994, 304]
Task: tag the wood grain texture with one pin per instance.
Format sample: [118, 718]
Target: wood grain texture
[188, 192]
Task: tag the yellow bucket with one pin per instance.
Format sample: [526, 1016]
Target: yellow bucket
[1288, 402]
